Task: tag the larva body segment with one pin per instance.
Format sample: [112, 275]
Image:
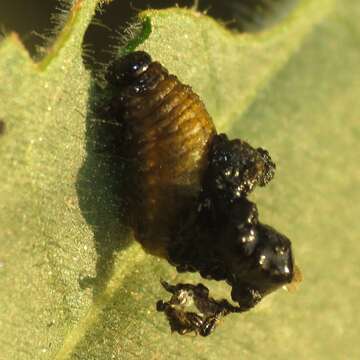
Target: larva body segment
[169, 132]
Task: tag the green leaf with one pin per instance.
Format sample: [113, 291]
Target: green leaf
[73, 284]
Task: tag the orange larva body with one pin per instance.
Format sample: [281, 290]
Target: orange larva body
[169, 133]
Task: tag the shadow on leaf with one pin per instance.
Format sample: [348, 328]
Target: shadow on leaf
[100, 188]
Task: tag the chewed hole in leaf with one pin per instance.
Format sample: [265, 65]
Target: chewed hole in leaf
[112, 20]
[36, 31]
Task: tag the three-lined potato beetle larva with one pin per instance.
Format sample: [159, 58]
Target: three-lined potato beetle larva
[188, 202]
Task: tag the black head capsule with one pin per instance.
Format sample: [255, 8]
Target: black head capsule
[128, 69]
[188, 194]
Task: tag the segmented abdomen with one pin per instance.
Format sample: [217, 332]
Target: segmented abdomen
[169, 132]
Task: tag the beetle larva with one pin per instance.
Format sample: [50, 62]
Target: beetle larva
[170, 132]
[189, 194]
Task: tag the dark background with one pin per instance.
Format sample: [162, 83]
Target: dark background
[33, 20]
